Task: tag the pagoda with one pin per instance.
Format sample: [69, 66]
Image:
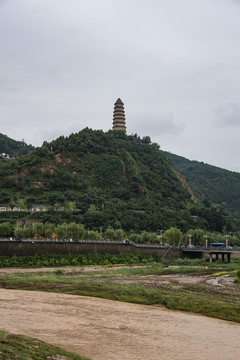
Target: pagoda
[119, 116]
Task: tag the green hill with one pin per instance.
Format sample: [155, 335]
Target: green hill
[111, 173]
[219, 186]
[12, 147]
[104, 179]
[110, 164]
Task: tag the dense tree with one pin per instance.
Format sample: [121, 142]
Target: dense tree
[6, 200]
[13, 147]
[172, 236]
[210, 184]
[6, 229]
[31, 201]
[197, 236]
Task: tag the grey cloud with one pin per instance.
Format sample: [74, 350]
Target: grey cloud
[228, 115]
[157, 126]
[171, 62]
[52, 134]
[3, 2]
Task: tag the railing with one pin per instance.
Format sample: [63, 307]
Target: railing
[121, 242]
[86, 241]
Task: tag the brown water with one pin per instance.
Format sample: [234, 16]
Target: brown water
[109, 330]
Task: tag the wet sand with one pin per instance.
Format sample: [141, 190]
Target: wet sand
[103, 329]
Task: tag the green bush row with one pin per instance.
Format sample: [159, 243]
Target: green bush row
[75, 260]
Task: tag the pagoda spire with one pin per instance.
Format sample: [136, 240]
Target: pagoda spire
[119, 116]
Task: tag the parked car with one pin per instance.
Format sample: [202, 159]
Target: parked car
[18, 238]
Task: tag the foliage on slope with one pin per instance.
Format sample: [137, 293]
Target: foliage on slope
[13, 147]
[110, 179]
[20, 347]
[219, 186]
[94, 164]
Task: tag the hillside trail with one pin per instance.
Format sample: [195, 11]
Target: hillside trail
[104, 329]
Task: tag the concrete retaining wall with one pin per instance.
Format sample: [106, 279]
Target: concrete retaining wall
[10, 248]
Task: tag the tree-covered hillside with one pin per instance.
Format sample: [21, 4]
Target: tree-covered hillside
[95, 164]
[13, 147]
[219, 186]
[104, 179]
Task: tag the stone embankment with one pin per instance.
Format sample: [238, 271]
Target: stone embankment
[43, 247]
[24, 248]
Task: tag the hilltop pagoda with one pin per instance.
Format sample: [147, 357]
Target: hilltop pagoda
[119, 116]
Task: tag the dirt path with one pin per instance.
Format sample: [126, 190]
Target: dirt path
[104, 329]
[65, 269]
[12, 270]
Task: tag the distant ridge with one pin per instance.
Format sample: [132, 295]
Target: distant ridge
[219, 186]
[13, 147]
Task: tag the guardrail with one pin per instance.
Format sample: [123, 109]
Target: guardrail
[123, 242]
[87, 241]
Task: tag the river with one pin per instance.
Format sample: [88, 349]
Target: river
[109, 330]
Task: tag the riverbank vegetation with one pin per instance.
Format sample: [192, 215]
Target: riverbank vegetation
[57, 260]
[237, 278]
[76, 260]
[19, 347]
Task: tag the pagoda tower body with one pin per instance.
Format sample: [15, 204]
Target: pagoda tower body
[119, 122]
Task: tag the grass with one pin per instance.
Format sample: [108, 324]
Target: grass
[156, 269]
[237, 278]
[19, 347]
[175, 282]
[221, 273]
[59, 272]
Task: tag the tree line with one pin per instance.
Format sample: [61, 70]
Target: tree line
[172, 236]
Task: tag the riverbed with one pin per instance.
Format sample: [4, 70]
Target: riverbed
[103, 329]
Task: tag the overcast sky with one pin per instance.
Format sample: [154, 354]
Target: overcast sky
[174, 63]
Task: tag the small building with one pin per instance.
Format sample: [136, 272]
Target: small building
[4, 156]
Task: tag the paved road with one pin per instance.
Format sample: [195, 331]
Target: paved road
[103, 329]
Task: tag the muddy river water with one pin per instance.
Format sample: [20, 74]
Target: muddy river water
[109, 330]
